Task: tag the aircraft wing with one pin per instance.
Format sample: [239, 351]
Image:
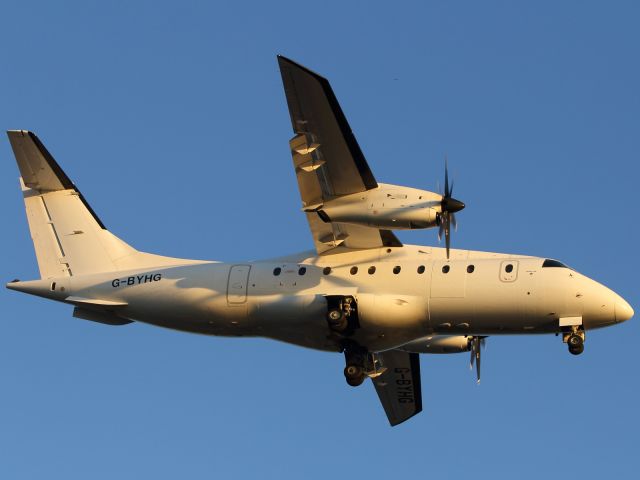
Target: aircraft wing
[399, 387]
[327, 159]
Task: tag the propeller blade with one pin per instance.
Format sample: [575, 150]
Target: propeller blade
[475, 344]
[447, 235]
[448, 206]
[478, 362]
[447, 194]
[472, 360]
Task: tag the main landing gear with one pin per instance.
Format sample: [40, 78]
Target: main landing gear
[355, 357]
[341, 313]
[574, 340]
[360, 364]
[342, 318]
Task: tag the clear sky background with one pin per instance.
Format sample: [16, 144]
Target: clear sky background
[170, 117]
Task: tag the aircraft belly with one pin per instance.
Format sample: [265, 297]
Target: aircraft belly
[387, 321]
[198, 311]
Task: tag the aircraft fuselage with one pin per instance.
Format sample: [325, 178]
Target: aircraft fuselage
[401, 294]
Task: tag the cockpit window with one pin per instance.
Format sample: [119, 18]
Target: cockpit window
[553, 263]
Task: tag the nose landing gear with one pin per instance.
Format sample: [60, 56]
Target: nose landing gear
[574, 340]
[576, 344]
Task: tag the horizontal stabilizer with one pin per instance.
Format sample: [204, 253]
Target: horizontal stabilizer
[107, 318]
[94, 301]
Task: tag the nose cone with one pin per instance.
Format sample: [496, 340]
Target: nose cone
[602, 307]
[623, 310]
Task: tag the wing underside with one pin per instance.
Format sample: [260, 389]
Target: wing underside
[327, 159]
[399, 387]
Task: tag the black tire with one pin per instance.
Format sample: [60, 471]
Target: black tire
[355, 382]
[335, 315]
[337, 320]
[576, 349]
[354, 374]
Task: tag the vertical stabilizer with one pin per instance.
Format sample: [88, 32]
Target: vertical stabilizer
[68, 237]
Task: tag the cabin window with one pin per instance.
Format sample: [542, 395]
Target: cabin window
[353, 270]
[372, 270]
[445, 269]
[421, 269]
[470, 269]
[508, 268]
[396, 269]
[276, 271]
[326, 270]
[53, 285]
[302, 270]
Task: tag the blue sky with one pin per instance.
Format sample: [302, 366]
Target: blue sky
[170, 117]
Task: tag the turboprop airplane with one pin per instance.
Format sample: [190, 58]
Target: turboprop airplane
[361, 292]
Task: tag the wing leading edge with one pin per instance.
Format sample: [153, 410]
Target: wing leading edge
[327, 159]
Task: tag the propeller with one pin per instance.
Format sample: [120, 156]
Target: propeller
[475, 346]
[448, 207]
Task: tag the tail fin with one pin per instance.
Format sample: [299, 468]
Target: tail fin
[68, 236]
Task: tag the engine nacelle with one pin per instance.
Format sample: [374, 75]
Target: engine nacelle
[388, 206]
[438, 344]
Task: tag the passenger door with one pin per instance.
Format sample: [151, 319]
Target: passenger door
[237, 285]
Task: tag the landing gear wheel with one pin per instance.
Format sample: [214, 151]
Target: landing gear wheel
[337, 319]
[576, 344]
[354, 375]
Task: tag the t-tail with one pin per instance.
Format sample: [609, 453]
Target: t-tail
[68, 237]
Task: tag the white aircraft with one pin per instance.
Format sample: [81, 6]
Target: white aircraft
[361, 292]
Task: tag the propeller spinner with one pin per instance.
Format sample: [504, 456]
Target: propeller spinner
[448, 207]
